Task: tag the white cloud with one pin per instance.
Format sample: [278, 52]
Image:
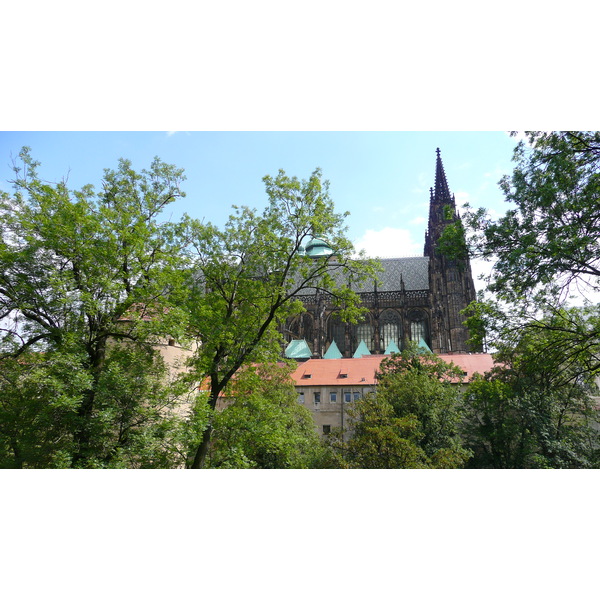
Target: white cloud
[479, 268]
[389, 242]
[418, 221]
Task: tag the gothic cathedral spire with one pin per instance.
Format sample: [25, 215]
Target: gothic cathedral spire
[450, 280]
[442, 207]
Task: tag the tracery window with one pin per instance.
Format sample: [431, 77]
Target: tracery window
[418, 330]
[390, 328]
[364, 332]
[300, 328]
[336, 331]
[419, 326]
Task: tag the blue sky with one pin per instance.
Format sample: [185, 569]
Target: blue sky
[381, 178]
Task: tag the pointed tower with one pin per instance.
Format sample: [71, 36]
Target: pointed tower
[450, 279]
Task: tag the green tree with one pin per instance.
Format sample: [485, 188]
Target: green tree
[413, 420]
[427, 388]
[511, 424]
[263, 426]
[549, 240]
[378, 438]
[140, 418]
[537, 407]
[546, 247]
[39, 398]
[249, 275]
[79, 271]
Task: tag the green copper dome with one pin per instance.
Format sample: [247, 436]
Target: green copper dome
[317, 247]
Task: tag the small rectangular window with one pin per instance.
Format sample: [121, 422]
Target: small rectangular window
[301, 397]
[356, 396]
[347, 397]
[326, 429]
[332, 396]
[317, 397]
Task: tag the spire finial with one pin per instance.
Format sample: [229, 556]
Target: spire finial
[442, 192]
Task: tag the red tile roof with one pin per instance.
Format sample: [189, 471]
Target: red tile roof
[361, 371]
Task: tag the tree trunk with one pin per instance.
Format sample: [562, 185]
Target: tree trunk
[83, 434]
[202, 451]
[200, 457]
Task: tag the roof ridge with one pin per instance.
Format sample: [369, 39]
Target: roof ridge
[399, 257]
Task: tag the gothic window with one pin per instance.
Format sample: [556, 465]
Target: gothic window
[364, 332]
[336, 331]
[419, 326]
[300, 328]
[418, 331]
[390, 328]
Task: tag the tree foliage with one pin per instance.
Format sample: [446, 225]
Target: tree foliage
[533, 410]
[538, 408]
[92, 280]
[413, 419]
[39, 398]
[249, 273]
[135, 423]
[263, 426]
[79, 271]
[548, 241]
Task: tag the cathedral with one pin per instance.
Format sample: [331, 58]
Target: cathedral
[416, 299]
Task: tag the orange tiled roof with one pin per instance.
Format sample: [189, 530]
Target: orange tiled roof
[361, 371]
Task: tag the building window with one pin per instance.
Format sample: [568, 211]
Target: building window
[336, 331]
[356, 396]
[326, 429]
[332, 396]
[301, 397]
[418, 331]
[347, 397]
[419, 328]
[317, 397]
[364, 332]
[390, 328]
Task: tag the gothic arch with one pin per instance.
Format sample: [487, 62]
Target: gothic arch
[364, 331]
[336, 331]
[300, 328]
[419, 325]
[390, 328]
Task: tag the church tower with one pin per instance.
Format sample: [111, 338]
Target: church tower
[450, 279]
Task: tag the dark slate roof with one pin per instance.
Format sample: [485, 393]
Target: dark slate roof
[412, 270]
